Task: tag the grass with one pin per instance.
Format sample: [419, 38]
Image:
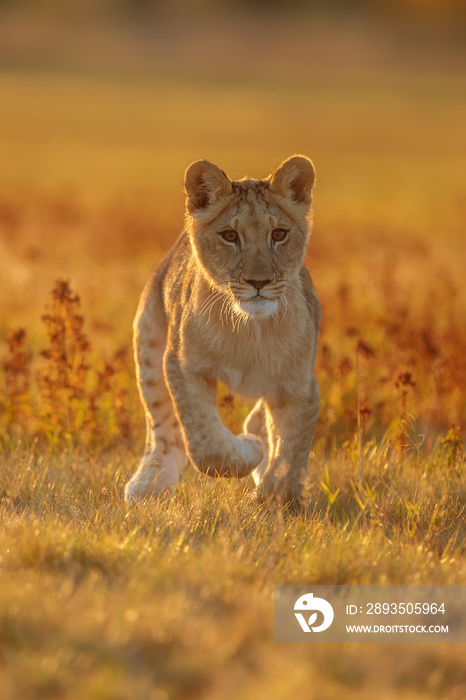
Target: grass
[174, 599]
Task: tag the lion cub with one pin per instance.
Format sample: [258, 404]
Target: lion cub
[232, 301]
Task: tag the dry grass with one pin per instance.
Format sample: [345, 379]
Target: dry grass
[174, 599]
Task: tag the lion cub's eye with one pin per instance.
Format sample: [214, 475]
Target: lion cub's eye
[230, 236]
[279, 234]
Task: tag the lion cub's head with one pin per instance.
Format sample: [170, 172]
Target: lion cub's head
[250, 236]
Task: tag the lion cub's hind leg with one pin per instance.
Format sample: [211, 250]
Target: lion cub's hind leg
[164, 455]
[255, 424]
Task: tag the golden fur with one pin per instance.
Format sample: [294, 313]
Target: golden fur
[232, 301]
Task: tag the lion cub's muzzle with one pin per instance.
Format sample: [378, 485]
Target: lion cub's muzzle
[256, 297]
[248, 289]
[258, 284]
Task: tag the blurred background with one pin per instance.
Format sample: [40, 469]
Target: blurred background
[104, 103]
[103, 95]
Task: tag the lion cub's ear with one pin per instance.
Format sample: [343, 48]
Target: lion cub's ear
[294, 179]
[204, 183]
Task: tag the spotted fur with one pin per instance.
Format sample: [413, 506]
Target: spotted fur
[232, 302]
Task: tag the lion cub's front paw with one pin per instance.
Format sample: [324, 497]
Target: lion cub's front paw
[283, 488]
[150, 481]
[251, 448]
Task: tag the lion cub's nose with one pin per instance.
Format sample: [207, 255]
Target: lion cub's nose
[258, 284]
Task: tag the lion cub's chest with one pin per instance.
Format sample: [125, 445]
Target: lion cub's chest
[250, 385]
[252, 365]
